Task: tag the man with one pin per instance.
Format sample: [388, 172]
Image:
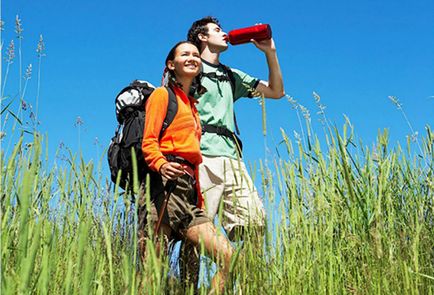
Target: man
[223, 176]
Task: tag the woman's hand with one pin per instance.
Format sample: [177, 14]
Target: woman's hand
[171, 170]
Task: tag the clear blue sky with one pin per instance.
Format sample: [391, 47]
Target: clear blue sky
[353, 53]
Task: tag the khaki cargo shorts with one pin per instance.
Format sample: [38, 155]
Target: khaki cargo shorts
[181, 212]
[225, 182]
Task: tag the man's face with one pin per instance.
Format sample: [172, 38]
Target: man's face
[216, 38]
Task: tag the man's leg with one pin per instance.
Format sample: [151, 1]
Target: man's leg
[211, 179]
[242, 206]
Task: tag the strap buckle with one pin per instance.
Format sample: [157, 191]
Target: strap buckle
[220, 130]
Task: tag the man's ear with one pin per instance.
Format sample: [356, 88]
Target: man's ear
[170, 65]
[202, 37]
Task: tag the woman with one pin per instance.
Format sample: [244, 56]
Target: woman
[175, 155]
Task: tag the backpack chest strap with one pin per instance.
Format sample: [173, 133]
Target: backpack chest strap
[223, 131]
[219, 130]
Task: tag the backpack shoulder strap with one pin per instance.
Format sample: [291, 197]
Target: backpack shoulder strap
[232, 81]
[172, 109]
[231, 78]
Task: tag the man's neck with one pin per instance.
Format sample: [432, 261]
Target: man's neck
[211, 57]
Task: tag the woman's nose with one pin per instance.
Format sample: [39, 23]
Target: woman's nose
[193, 58]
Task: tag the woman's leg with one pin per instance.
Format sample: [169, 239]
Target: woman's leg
[162, 240]
[146, 224]
[215, 244]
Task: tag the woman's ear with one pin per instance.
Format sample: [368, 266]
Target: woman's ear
[170, 65]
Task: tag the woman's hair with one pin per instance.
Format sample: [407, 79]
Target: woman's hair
[169, 78]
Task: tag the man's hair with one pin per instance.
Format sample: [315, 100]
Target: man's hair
[199, 27]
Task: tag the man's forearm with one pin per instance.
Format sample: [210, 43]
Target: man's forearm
[275, 81]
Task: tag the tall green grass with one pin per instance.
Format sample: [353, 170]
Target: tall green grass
[63, 232]
[348, 220]
[342, 219]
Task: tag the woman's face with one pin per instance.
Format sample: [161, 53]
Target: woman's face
[187, 62]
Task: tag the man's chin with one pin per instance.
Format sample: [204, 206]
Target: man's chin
[224, 47]
[219, 48]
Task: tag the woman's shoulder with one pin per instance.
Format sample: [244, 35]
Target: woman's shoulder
[158, 97]
[159, 94]
[160, 91]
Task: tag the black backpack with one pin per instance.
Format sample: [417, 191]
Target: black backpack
[130, 114]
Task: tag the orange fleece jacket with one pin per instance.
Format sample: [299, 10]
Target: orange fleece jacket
[181, 138]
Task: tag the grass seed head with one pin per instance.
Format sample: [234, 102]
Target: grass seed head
[292, 101]
[18, 27]
[316, 97]
[40, 49]
[395, 101]
[305, 112]
[78, 122]
[10, 53]
[28, 73]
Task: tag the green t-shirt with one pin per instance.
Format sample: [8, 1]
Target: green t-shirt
[216, 107]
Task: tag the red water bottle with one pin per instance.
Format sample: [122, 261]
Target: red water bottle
[244, 35]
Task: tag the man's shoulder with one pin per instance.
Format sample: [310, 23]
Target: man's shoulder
[225, 66]
[235, 71]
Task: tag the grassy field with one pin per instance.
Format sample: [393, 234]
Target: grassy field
[359, 222]
[342, 218]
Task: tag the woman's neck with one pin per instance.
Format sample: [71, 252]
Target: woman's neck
[186, 84]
